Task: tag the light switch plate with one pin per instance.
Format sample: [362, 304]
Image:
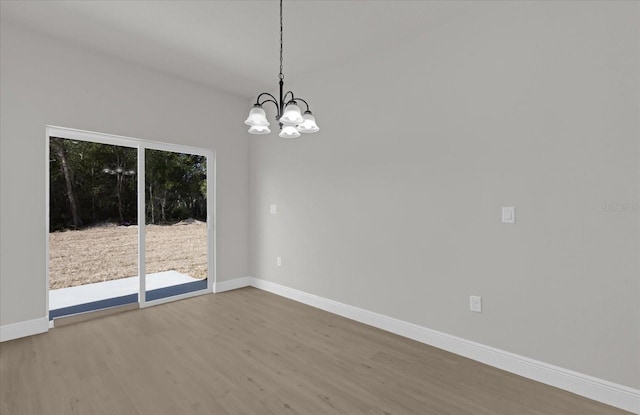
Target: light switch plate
[475, 304]
[273, 209]
[508, 214]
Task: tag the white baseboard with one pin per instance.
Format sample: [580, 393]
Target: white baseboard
[222, 286]
[24, 329]
[600, 390]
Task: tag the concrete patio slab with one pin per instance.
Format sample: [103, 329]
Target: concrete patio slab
[66, 297]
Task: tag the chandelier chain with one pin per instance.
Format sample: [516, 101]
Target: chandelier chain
[281, 74]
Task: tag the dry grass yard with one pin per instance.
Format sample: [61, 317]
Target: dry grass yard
[110, 252]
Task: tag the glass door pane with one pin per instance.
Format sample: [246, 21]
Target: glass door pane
[93, 232]
[176, 232]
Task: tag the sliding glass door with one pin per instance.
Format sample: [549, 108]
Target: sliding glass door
[176, 240]
[93, 237]
[118, 208]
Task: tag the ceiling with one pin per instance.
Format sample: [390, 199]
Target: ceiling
[233, 45]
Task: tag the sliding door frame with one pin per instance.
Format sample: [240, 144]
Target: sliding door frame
[140, 146]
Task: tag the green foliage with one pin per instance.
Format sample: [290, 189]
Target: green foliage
[174, 183]
[104, 184]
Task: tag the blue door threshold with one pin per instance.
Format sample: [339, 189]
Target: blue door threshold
[129, 299]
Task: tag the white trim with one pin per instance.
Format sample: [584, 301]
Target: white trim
[212, 215]
[142, 230]
[222, 286]
[24, 329]
[79, 135]
[600, 390]
[47, 179]
[123, 141]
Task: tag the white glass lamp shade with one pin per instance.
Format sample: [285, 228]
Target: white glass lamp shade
[289, 131]
[259, 129]
[257, 118]
[308, 124]
[291, 115]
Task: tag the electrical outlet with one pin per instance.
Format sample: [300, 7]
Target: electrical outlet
[508, 214]
[278, 262]
[475, 304]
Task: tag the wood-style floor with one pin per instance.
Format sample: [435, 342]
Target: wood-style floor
[251, 352]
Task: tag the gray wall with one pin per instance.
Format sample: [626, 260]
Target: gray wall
[44, 81]
[394, 206]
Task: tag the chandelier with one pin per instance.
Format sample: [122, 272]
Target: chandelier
[292, 122]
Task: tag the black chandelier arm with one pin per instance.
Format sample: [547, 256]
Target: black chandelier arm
[264, 93]
[274, 103]
[297, 99]
[284, 98]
